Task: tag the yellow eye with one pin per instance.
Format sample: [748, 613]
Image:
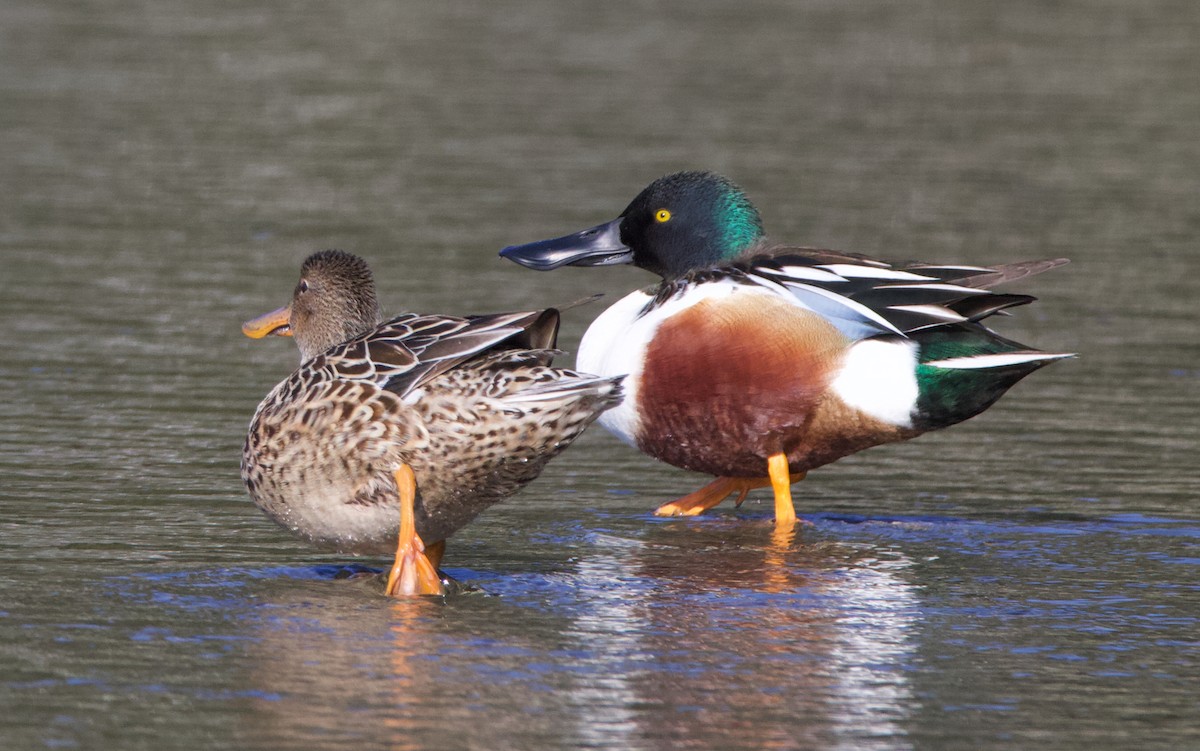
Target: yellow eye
[662, 215]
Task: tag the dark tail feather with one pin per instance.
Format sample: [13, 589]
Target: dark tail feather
[978, 307]
[965, 368]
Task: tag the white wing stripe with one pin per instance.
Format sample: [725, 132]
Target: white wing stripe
[978, 362]
[941, 288]
[769, 284]
[933, 311]
[869, 272]
[862, 312]
[809, 273]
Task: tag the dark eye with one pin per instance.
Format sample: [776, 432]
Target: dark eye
[303, 285]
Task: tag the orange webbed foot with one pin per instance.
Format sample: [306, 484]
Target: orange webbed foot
[413, 573]
[705, 498]
[721, 488]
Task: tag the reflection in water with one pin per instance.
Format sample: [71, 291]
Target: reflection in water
[355, 668]
[873, 651]
[702, 635]
[609, 631]
[744, 644]
[162, 159]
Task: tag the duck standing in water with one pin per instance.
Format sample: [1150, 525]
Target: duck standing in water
[757, 362]
[392, 433]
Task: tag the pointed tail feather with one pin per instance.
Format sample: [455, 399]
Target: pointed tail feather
[1008, 272]
[964, 368]
[607, 389]
[998, 360]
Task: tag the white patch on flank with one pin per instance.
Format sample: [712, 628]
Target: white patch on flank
[880, 378]
[872, 272]
[615, 344]
[413, 396]
[978, 362]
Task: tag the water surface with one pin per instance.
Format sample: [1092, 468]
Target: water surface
[1027, 579]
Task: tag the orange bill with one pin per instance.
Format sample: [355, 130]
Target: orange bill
[273, 323]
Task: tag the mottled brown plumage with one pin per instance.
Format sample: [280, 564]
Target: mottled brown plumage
[471, 404]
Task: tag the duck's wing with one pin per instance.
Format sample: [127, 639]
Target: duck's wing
[866, 297]
[405, 352]
[986, 277]
[983, 277]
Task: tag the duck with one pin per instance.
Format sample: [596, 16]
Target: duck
[395, 433]
[756, 362]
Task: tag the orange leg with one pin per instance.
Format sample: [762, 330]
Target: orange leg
[412, 573]
[716, 491]
[781, 483]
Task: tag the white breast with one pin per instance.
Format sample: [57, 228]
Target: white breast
[616, 342]
[614, 345]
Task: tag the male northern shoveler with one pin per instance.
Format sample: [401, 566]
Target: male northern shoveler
[757, 362]
[405, 430]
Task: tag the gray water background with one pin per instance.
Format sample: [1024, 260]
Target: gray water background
[1027, 579]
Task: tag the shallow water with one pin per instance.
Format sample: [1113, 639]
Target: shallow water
[1029, 578]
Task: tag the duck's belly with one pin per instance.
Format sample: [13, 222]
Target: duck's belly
[321, 515]
[321, 467]
[320, 503]
[726, 377]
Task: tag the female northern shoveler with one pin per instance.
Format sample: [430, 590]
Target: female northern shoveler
[434, 417]
[753, 359]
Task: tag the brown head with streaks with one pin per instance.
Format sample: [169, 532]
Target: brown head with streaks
[333, 301]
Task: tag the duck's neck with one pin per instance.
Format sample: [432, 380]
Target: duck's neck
[313, 340]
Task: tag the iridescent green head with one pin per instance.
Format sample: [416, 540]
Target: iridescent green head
[680, 223]
[689, 221]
